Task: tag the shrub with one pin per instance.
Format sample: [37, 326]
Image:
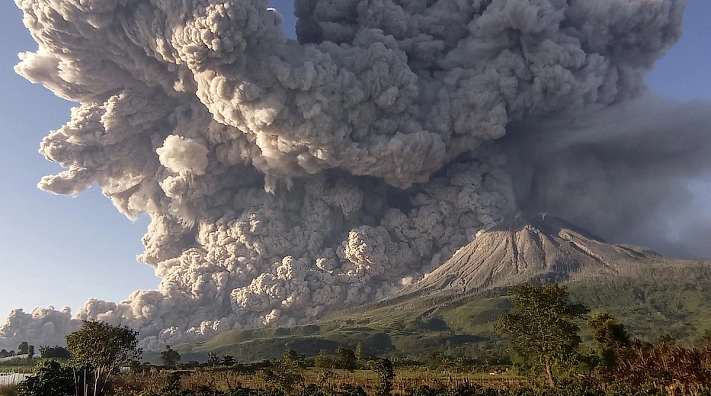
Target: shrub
[52, 379]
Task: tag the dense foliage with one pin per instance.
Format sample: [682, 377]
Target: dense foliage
[101, 349]
[52, 379]
[55, 352]
[543, 327]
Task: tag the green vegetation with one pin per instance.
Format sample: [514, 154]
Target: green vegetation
[103, 349]
[386, 374]
[543, 328]
[55, 352]
[429, 347]
[22, 366]
[51, 379]
[609, 336]
[651, 304]
[641, 368]
[344, 358]
[169, 357]
[655, 304]
[285, 373]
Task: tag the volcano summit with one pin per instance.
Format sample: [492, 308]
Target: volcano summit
[544, 249]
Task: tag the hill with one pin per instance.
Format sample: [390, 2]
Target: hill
[453, 308]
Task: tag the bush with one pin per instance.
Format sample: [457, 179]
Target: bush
[271, 392]
[52, 379]
[522, 392]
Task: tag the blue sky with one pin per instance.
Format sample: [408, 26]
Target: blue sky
[61, 251]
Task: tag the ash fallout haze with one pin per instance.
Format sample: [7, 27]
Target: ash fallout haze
[287, 178]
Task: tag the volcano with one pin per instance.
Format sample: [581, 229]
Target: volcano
[456, 305]
[544, 249]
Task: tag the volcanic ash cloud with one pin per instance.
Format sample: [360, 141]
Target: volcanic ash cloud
[289, 179]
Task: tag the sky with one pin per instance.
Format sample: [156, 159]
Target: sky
[61, 251]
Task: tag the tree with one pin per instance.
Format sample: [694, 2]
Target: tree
[609, 335]
[285, 373]
[324, 360]
[542, 327]
[386, 374]
[228, 360]
[22, 348]
[55, 352]
[169, 357]
[346, 358]
[31, 352]
[359, 351]
[103, 348]
[291, 358]
[213, 359]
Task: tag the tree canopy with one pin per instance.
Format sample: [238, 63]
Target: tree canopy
[103, 348]
[23, 348]
[609, 335]
[542, 326]
[169, 357]
[53, 352]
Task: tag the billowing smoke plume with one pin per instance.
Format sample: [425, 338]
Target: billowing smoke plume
[43, 326]
[623, 172]
[289, 179]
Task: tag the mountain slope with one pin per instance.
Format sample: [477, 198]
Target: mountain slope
[544, 249]
[454, 307]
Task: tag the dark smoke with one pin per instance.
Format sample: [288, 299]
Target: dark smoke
[624, 172]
